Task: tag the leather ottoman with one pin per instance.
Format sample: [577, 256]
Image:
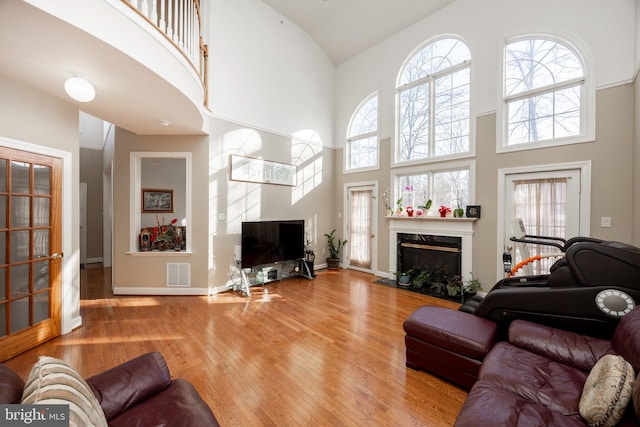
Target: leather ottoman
[448, 343]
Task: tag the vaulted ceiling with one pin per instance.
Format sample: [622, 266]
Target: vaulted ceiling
[344, 28]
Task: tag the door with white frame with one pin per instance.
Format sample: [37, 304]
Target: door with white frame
[361, 225]
[550, 202]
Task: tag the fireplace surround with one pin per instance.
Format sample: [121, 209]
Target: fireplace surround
[451, 229]
[439, 254]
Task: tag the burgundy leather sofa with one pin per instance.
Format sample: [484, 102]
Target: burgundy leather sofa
[139, 392]
[536, 377]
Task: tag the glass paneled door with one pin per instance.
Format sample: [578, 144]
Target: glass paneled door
[361, 227]
[548, 204]
[30, 250]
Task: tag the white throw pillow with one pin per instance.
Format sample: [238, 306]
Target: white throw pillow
[53, 381]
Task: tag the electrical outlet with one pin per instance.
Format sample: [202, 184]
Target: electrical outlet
[605, 222]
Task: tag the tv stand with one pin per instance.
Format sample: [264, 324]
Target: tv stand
[266, 273]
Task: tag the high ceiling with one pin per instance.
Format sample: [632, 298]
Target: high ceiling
[344, 28]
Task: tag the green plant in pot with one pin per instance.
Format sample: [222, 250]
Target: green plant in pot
[454, 286]
[404, 278]
[472, 286]
[333, 261]
[421, 278]
[458, 212]
[437, 281]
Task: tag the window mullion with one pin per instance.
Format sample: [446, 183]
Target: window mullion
[545, 89]
[432, 117]
[362, 136]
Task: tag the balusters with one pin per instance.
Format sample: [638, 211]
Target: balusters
[179, 20]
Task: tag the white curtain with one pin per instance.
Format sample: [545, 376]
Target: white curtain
[360, 228]
[542, 205]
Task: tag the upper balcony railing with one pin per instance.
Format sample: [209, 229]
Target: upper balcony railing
[179, 21]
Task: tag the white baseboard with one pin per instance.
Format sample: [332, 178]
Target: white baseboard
[94, 260]
[125, 290]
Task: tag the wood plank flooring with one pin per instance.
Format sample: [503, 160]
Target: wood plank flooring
[325, 352]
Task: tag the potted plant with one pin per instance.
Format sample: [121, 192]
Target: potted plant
[444, 210]
[333, 261]
[472, 286]
[437, 282]
[426, 206]
[458, 212]
[404, 278]
[454, 286]
[420, 279]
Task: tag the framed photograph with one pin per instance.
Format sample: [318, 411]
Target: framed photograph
[249, 169]
[158, 201]
[473, 211]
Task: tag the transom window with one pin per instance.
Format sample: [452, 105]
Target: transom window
[544, 82]
[362, 138]
[434, 101]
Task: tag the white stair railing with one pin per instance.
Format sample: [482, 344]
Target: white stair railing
[179, 21]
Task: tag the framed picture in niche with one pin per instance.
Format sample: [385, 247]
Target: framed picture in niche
[158, 201]
[473, 211]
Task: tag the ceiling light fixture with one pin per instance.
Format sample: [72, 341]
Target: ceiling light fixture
[80, 89]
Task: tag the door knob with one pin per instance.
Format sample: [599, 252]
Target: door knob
[57, 255]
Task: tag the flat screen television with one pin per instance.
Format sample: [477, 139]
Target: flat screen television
[266, 242]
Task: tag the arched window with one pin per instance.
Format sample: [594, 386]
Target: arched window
[362, 137]
[544, 93]
[434, 90]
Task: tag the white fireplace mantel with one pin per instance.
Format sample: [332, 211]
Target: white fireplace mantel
[453, 227]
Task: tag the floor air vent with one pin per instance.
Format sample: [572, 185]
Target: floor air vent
[178, 274]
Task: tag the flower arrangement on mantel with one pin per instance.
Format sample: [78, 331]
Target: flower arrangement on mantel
[444, 211]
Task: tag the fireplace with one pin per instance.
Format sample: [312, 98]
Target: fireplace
[427, 252]
[442, 231]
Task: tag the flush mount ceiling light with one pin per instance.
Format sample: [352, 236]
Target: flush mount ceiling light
[80, 89]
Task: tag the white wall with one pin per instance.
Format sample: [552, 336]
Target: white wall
[266, 72]
[607, 30]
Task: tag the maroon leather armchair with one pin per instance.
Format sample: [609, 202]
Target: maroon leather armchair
[139, 392]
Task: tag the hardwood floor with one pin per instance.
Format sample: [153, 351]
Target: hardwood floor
[324, 352]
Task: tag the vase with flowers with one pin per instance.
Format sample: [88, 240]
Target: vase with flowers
[163, 235]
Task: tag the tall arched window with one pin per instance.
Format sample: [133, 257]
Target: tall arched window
[362, 138]
[544, 93]
[434, 90]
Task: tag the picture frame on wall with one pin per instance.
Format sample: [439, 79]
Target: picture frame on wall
[473, 211]
[157, 201]
[249, 169]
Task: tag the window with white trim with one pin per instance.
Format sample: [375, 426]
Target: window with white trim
[445, 186]
[362, 138]
[434, 91]
[544, 93]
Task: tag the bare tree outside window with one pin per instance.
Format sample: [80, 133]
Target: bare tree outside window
[544, 81]
[362, 141]
[434, 107]
[449, 188]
